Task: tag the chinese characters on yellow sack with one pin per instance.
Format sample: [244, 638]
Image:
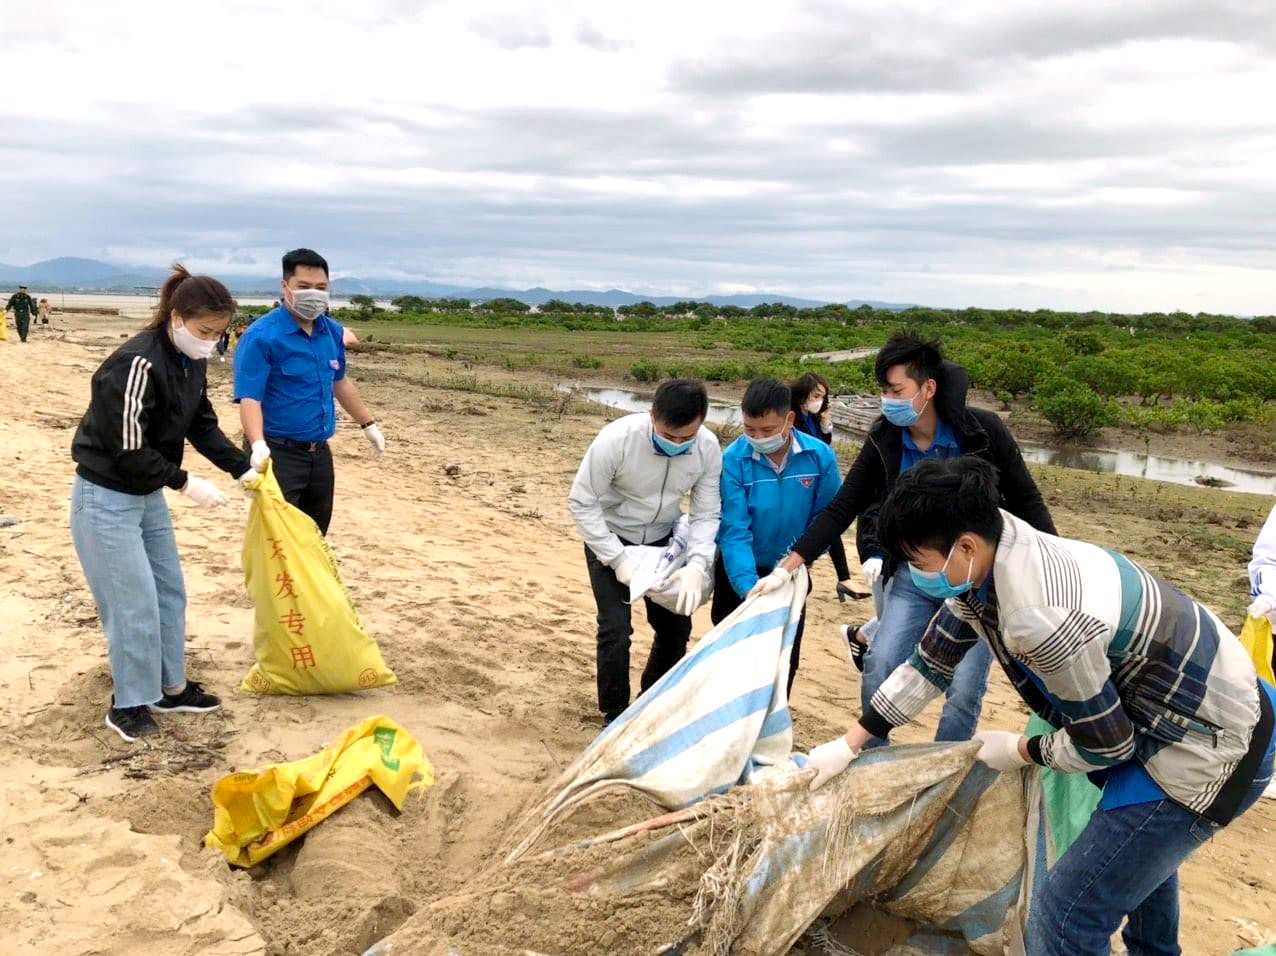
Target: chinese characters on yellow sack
[257, 814]
[306, 633]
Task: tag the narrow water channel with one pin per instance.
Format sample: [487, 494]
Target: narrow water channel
[1178, 471]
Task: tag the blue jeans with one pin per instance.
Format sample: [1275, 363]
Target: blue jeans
[1124, 863]
[903, 620]
[129, 555]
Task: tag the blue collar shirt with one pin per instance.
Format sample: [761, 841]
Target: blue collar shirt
[943, 447]
[291, 374]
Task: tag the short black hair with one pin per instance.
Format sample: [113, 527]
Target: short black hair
[921, 358]
[803, 386]
[303, 257]
[935, 502]
[680, 401]
[766, 395]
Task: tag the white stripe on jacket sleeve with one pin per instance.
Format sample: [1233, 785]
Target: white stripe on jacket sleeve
[134, 389]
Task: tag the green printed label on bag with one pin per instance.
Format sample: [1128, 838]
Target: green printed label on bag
[384, 737]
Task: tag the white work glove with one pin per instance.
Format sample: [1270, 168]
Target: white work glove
[624, 572]
[772, 582]
[1262, 606]
[373, 433]
[204, 493]
[260, 455]
[250, 475]
[999, 749]
[872, 570]
[829, 760]
[690, 589]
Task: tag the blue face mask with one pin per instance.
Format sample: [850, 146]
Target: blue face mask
[934, 584]
[671, 448]
[769, 446]
[900, 411]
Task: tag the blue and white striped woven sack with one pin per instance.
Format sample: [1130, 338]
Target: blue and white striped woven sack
[717, 717]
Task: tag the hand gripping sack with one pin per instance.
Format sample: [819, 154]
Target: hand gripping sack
[306, 633]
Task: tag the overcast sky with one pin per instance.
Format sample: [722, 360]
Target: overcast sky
[1116, 155]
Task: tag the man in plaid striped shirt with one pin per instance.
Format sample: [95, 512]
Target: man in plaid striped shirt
[1150, 694]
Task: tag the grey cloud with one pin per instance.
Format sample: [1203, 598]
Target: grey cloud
[589, 35]
[512, 33]
[878, 48]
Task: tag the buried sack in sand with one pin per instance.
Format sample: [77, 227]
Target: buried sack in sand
[747, 858]
[306, 633]
[257, 814]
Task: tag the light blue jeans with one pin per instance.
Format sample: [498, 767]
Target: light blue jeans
[129, 555]
[903, 620]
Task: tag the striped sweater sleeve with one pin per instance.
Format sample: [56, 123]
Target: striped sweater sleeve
[1067, 650]
[924, 676]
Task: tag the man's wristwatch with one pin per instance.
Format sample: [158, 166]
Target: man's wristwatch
[366, 425]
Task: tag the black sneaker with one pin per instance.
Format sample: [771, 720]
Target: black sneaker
[192, 700]
[851, 634]
[132, 722]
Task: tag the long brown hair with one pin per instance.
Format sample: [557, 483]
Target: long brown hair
[804, 386]
[191, 296]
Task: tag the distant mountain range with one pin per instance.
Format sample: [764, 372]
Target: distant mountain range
[71, 274]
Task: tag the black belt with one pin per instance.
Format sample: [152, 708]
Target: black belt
[311, 446]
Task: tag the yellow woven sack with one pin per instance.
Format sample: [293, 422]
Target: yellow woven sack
[1256, 635]
[306, 633]
[257, 814]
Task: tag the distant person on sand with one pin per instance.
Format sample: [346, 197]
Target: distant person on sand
[44, 311]
[1148, 693]
[775, 480]
[23, 307]
[289, 366]
[148, 399]
[924, 416]
[629, 490]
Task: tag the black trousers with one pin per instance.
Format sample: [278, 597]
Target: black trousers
[23, 322]
[725, 600]
[304, 471]
[615, 627]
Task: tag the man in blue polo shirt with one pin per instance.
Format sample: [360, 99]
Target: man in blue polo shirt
[289, 366]
[775, 480]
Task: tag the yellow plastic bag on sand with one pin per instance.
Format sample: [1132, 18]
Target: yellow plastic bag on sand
[1256, 635]
[257, 814]
[306, 633]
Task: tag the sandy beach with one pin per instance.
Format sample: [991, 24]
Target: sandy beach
[474, 585]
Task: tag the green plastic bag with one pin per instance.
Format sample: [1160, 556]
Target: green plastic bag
[1069, 799]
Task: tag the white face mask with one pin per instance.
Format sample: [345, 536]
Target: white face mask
[813, 406]
[309, 304]
[191, 345]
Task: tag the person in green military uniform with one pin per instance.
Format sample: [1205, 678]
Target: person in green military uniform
[23, 307]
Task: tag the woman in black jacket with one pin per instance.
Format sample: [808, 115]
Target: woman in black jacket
[811, 417]
[148, 398]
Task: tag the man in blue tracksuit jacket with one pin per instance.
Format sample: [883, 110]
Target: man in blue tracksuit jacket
[775, 480]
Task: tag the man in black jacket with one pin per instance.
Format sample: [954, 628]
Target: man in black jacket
[924, 416]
